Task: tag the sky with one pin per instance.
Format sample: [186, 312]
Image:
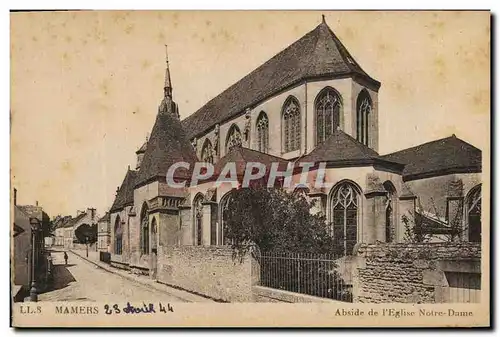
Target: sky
[85, 86]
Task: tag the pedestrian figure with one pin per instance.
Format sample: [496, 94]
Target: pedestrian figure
[65, 258]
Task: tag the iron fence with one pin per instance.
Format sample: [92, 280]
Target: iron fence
[322, 275]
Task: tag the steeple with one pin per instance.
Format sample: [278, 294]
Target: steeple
[167, 87]
[167, 105]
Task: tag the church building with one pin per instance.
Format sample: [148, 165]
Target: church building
[311, 102]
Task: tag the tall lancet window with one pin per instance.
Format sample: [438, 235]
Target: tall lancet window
[154, 230]
[198, 219]
[144, 234]
[390, 204]
[207, 152]
[291, 124]
[473, 204]
[263, 132]
[328, 105]
[233, 137]
[223, 216]
[118, 236]
[344, 214]
[363, 108]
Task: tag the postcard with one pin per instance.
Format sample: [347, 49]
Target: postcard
[250, 168]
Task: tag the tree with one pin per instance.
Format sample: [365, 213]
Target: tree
[297, 249]
[86, 234]
[274, 219]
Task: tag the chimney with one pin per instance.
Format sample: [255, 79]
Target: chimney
[36, 203]
[15, 196]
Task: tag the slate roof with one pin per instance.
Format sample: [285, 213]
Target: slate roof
[340, 149]
[107, 216]
[318, 54]
[61, 221]
[439, 157]
[167, 145]
[142, 148]
[242, 155]
[75, 220]
[125, 195]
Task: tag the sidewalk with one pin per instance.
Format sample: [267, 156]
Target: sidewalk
[144, 280]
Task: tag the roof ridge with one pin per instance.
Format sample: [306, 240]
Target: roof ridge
[317, 54]
[453, 136]
[358, 143]
[344, 53]
[267, 154]
[280, 53]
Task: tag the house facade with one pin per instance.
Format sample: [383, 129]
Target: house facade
[88, 217]
[103, 233]
[59, 224]
[31, 225]
[310, 103]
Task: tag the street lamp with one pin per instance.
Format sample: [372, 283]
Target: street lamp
[35, 227]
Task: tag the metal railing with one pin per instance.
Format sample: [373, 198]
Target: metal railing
[322, 275]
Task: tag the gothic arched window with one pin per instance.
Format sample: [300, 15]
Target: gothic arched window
[198, 219]
[390, 228]
[344, 214]
[144, 234]
[473, 215]
[263, 132]
[291, 124]
[363, 108]
[327, 107]
[224, 212]
[233, 137]
[118, 236]
[207, 152]
[154, 230]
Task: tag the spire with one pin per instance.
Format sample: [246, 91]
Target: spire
[323, 18]
[167, 105]
[168, 82]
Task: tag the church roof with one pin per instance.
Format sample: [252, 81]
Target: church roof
[125, 195]
[167, 145]
[143, 148]
[107, 216]
[242, 155]
[343, 150]
[317, 54]
[439, 157]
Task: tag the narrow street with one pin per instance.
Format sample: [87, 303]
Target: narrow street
[81, 280]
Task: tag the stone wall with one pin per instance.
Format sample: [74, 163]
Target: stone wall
[209, 271]
[411, 273]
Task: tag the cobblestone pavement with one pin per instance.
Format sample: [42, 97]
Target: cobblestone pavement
[81, 280]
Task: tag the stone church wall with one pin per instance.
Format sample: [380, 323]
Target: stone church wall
[208, 270]
[411, 273]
